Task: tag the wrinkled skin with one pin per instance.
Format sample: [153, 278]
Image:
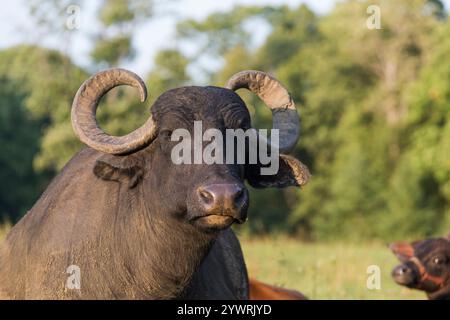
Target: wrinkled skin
[425, 266]
[133, 223]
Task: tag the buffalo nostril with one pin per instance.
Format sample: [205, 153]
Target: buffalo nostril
[402, 270]
[205, 196]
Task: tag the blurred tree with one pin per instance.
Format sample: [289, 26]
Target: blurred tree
[215, 36]
[49, 17]
[350, 82]
[374, 104]
[48, 93]
[221, 31]
[292, 30]
[354, 128]
[421, 181]
[18, 138]
[119, 19]
[31, 103]
[112, 41]
[169, 72]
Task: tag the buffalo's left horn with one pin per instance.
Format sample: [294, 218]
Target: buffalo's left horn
[277, 98]
[84, 109]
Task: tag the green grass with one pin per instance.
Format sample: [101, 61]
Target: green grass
[324, 270]
[319, 270]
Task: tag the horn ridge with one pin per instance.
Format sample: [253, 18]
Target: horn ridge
[284, 113]
[84, 110]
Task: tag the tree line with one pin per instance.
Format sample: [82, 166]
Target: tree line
[374, 104]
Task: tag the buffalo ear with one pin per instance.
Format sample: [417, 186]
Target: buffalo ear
[403, 250]
[291, 172]
[123, 169]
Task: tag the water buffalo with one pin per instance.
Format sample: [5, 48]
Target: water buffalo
[425, 265]
[122, 221]
[263, 291]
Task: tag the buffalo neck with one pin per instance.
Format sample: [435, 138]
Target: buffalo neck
[167, 250]
[159, 249]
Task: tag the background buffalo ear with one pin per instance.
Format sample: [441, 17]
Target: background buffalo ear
[291, 172]
[123, 169]
[403, 250]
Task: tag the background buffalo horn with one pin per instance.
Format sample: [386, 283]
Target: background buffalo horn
[84, 109]
[277, 98]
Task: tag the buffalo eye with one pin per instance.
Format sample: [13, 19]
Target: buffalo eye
[438, 260]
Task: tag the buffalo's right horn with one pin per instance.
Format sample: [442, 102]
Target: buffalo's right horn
[84, 109]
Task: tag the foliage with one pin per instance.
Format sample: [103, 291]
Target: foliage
[32, 105]
[220, 31]
[357, 90]
[18, 132]
[375, 109]
[169, 72]
[119, 19]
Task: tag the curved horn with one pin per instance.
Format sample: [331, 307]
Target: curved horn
[277, 98]
[84, 109]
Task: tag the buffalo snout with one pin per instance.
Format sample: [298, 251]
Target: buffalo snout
[221, 204]
[406, 275]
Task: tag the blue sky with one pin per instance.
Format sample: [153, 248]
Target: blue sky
[152, 36]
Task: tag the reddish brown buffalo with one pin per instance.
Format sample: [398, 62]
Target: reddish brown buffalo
[425, 265]
[263, 291]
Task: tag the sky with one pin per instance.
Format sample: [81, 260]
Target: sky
[156, 34]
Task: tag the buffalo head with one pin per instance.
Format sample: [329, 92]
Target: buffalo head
[425, 265]
[208, 196]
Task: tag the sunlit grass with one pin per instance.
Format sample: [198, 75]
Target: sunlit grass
[4, 229]
[319, 270]
[324, 270]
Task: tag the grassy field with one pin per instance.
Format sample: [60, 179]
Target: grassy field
[324, 271]
[320, 270]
